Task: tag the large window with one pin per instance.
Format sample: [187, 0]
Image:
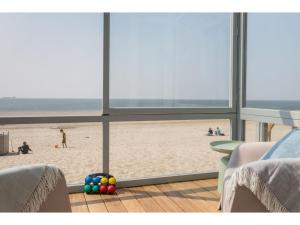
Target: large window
[273, 50]
[52, 78]
[81, 156]
[169, 60]
[164, 148]
[50, 64]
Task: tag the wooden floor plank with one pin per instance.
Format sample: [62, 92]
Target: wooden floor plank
[145, 200]
[209, 182]
[113, 203]
[186, 190]
[162, 200]
[78, 203]
[176, 196]
[95, 203]
[210, 185]
[192, 196]
[129, 200]
[206, 199]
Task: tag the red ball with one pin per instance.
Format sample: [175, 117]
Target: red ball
[103, 189]
[111, 189]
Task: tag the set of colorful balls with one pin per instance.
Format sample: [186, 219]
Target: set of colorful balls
[101, 185]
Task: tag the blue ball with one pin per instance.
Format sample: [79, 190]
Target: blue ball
[88, 180]
[96, 180]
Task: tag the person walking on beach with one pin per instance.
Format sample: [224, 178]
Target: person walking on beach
[64, 138]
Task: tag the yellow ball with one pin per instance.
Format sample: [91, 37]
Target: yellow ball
[104, 180]
[112, 180]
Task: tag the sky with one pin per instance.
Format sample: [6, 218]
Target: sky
[170, 56]
[273, 53]
[164, 56]
[155, 56]
[51, 55]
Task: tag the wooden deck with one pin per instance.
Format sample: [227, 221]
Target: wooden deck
[192, 196]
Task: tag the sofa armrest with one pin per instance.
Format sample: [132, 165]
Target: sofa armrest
[244, 153]
[58, 199]
[43, 188]
[248, 152]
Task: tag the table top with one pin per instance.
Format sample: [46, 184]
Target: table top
[225, 146]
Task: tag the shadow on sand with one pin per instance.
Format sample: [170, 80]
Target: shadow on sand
[13, 154]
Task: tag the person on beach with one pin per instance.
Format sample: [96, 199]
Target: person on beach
[218, 132]
[24, 148]
[64, 138]
[210, 132]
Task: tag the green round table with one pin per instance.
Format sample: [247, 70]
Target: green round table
[226, 147]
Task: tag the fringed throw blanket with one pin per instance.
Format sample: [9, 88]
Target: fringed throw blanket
[25, 188]
[275, 182]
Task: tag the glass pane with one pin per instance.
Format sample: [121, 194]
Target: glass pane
[82, 156]
[50, 63]
[169, 59]
[273, 67]
[277, 131]
[163, 148]
[250, 131]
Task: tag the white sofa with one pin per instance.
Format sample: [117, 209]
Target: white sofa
[244, 200]
[33, 188]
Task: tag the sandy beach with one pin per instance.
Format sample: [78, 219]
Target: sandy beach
[137, 149]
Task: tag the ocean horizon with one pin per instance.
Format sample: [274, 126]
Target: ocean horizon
[12, 104]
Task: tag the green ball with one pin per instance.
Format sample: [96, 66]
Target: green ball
[87, 188]
[95, 188]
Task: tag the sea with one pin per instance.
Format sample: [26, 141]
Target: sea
[95, 105]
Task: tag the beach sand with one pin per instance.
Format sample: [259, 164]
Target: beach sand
[137, 149]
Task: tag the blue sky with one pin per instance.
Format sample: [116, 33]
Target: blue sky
[166, 56]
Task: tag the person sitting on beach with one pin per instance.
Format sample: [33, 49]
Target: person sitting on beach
[24, 148]
[210, 132]
[218, 132]
[64, 138]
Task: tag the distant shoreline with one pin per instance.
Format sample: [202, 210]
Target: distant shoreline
[92, 106]
[8, 97]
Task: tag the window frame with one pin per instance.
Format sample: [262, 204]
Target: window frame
[259, 115]
[236, 97]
